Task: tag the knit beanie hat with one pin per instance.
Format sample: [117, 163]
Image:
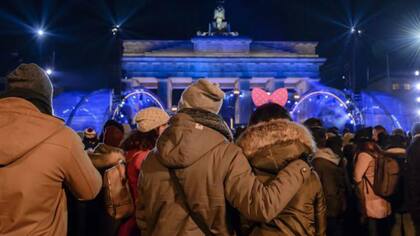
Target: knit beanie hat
[204, 95]
[30, 81]
[151, 118]
[90, 133]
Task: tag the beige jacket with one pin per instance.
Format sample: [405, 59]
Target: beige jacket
[270, 147]
[373, 205]
[39, 155]
[213, 172]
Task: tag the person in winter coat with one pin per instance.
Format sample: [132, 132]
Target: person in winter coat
[413, 177]
[402, 222]
[98, 221]
[375, 209]
[151, 122]
[113, 133]
[332, 172]
[270, 142]
[90, 139]
[39, 157]
[196, 171]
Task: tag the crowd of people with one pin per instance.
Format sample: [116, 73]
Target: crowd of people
[190, 174]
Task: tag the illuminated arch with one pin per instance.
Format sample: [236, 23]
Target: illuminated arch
[327, 95]
[134, 107]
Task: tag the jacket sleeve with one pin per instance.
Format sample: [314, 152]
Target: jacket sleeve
[81, 176]
[140, 208]
[257, 201]
[320, 210]
[361, 166]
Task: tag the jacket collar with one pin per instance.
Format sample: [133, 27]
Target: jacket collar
[329, 155]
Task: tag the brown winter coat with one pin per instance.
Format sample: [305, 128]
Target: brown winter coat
[39, 155]
[269, 147]
[212, 172]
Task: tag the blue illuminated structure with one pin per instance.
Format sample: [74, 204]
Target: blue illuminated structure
[155, 72]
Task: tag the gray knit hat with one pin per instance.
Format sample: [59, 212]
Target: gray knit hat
[203, 94]
[32, 79]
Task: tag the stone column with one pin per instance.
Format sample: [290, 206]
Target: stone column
[164, 91]
[274, 83]
[243, 107]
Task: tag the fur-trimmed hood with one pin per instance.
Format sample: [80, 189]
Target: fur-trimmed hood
[269, 146]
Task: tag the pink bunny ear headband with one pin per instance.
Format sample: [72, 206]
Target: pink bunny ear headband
[261, 97]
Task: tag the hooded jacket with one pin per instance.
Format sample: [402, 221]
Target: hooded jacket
[212, 172]
[39, 155]
[270, 147]
[332, 172]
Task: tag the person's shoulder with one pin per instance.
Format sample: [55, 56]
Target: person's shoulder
[65, 137]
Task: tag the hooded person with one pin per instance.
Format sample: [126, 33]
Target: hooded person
[39, 157]
[270, 142]
[90, 139]
[332, 171]
[413, 177]
[188, 182]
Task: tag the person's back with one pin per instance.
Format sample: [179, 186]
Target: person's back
[39, 155]
[270, 146]
[413, 176]
[212, 172]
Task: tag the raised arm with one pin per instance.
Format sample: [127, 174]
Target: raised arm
[81, 176]
[257, 201]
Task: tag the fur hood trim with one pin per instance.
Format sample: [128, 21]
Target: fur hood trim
[266, 134]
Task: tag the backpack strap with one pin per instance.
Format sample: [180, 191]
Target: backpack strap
[197, 218]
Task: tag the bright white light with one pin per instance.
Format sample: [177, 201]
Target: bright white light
[352, 30]
[348, 102]
[49, 71]
[359, 31]
[418, 86]
[418, 112]
[40, 32]
[418, 99]
[417, 73]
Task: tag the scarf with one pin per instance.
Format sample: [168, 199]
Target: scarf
[210, 120]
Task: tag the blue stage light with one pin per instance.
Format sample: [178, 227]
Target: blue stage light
[49, 71]
[40, 32]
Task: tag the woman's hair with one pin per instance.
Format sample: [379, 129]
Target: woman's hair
[267, 112]
[368, 146]
[319, 135]
[335, 143]
[140, 141]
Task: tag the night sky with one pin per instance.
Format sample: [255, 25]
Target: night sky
[80, 31]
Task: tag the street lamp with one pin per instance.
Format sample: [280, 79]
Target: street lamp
[115, 29]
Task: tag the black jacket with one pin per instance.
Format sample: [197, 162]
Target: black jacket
[332, 172]
[413, 180]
